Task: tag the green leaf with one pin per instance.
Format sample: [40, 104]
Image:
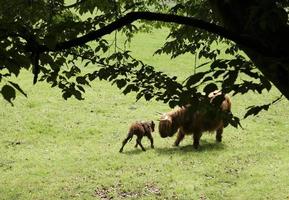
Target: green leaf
[66, 95]
[195, 78]
[80, 88]
[120, 83]
[235, 122]
[210, 88]
[148, 96]
[8, 93]
[129, 88]
[221, 64]
[206, 79]
[16, 86]
[254, 110]
[81, 80]
[230, 80]
[77, 95]
[218, 73]
[139, 95]
[173, 103]
[265, 83]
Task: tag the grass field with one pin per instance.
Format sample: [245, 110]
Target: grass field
[56, 149]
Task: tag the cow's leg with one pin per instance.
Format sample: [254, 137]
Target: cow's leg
[129, 136]
[180, 137]
[196, 137]
[219, 133]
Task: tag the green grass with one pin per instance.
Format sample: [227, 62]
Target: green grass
[56, 149]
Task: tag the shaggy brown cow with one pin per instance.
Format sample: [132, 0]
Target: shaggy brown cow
[140, 129]
[193, 121]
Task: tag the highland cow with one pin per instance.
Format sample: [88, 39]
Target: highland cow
[140, 129]
[190, 120]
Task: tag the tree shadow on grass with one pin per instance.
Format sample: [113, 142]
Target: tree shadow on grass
[204, 147]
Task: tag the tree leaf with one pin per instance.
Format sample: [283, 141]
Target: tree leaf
[80, 88]
[82, 80]
[218, 73]
[235, 122]
[221, 64]
[16, 86]
[148, 96]
[210, 88]
[120, 83]
[195, 78]
[254, 110]
[8, 93]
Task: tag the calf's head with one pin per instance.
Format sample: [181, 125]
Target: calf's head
[152, 125]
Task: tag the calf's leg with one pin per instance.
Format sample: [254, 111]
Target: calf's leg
[129, 136]
[151, 140]
[138, 140]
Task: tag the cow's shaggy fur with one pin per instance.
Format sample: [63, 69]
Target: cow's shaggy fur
[140, 129]
[189, 120]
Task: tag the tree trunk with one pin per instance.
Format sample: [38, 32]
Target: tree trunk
[267, 23]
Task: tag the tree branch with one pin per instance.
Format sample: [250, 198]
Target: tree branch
[170, 18]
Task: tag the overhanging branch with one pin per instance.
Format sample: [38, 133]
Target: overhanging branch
[170, 18]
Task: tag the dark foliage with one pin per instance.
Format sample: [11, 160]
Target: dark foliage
[57, 43]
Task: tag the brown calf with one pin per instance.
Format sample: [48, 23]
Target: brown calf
[140, 129]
